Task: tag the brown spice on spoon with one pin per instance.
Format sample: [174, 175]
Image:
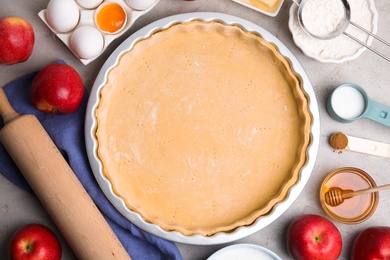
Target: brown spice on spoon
[338, 141]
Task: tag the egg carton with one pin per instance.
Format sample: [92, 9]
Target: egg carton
[86, 18]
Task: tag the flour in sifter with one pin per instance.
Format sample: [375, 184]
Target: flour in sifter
[341, 46]
[322, 18]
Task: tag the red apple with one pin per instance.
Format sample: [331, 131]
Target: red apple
[35, 241]
[313, 237]
[57, 88]
[16, 40]
[372, 243]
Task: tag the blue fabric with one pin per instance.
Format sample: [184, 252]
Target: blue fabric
[67, 132]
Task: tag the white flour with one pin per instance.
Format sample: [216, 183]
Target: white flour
[321, 18]
[342, 45]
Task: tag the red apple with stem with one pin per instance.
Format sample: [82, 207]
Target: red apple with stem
[16, 40]
[372, 243]
[57, 88]
[33, 242]
[313, 237]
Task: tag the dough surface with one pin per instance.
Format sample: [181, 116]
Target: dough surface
[202, 127]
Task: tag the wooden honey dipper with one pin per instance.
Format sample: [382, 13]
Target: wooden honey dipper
[335, 196]
[57, 187]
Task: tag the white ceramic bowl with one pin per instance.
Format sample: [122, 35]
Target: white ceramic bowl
[244, 251]
[222, 237]
[323, 54]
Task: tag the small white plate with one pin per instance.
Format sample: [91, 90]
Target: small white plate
[320, 50]
[256, 8]
[244, 251]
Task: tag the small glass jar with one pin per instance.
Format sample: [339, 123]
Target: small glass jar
[356, 209]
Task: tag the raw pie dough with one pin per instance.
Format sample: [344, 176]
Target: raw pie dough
[202, 127]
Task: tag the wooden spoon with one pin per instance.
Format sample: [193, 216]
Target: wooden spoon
[335, 195]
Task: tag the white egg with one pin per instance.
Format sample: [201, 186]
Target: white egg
[86, 42]
[62, 15]
[140, 4]
[89, 4]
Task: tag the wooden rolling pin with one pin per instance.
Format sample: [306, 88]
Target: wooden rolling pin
[57, 187]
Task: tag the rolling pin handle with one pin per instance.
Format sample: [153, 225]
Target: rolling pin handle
[6, 111]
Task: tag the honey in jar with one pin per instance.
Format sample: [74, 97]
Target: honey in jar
[355, 209]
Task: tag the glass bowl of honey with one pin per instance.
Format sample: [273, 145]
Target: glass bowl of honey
[356, 209]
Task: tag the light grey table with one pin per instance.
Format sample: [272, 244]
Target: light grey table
[370, 71]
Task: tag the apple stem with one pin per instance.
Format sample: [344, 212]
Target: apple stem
[6, 111]
[29, 247]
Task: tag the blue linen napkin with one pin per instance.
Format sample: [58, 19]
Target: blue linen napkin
[67, 132]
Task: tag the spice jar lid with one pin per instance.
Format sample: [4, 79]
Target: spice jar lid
[356, 209]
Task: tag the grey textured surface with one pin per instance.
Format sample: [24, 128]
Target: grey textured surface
[370, 71]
